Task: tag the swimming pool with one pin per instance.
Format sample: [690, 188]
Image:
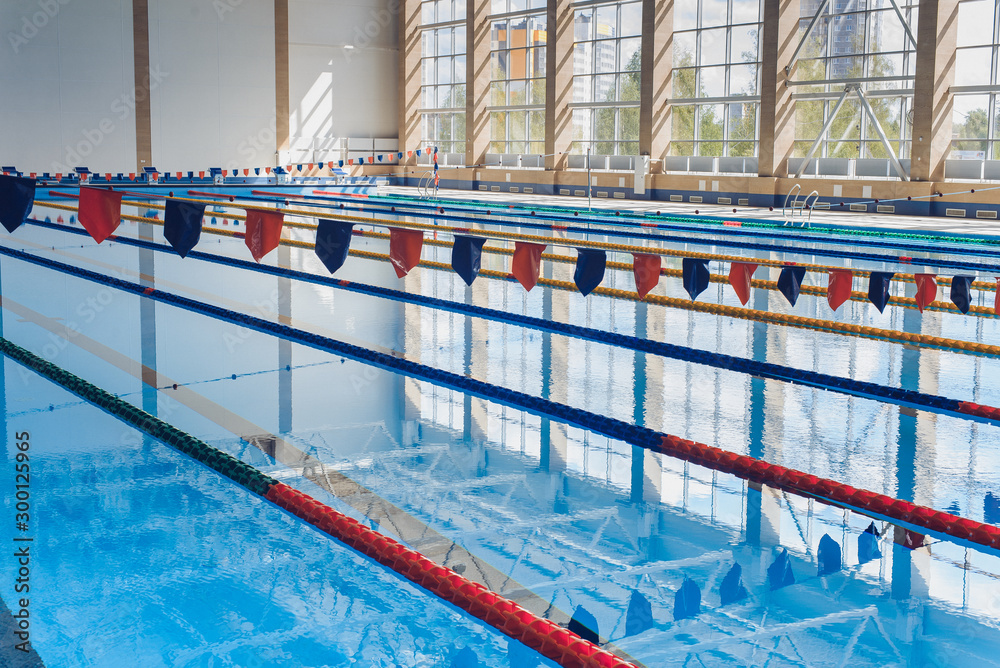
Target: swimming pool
[551, 513]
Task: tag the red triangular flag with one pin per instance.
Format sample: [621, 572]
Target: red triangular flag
[131, 176]
[404, 249]
[107, 177]
[246, 172]
[838, 290]
[527, 263]
[267, 170]
[926, 289]
[646, 269]
[350, 161]
[740, 274]
[59, 177]
[201, 175]
[100, 212]
[409, 154]
[263, 231]
[371, 159]
[34, 174]
[180, 175]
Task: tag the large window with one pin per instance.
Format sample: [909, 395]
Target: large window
[975, 116]
[606, 62]
[716, 78]
[442, 50]
[860, 41]
[517, 87]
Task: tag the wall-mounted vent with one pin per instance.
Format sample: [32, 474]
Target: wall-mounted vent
[695, 198]
[564, 191]
[495, 189]
[821, 205]
[859, 207]
[619, 195]
[955, 213]
[982, 213]
[886, 208]
[514, 189]
[602, 193]
[677, 198]
[579, 193]
[725, 200]
[743, 201]
[529, 190]
[482, 187]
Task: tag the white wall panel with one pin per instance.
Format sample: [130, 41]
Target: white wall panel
[65, 75]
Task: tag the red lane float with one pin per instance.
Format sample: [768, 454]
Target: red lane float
[542, 635]
[791, 480]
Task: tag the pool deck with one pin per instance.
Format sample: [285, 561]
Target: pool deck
[954, 226]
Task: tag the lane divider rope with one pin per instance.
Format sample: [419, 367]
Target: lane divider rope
[743, 466]
[800, 322]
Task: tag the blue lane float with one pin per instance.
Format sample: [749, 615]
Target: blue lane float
[718, 360]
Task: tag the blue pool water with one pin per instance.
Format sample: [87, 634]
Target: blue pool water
[144, 557]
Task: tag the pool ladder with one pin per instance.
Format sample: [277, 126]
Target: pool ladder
[800, 205]
[424, 185]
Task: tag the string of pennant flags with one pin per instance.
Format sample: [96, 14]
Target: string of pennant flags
[99, 212]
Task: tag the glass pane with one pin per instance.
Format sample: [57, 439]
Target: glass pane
[536, 129]
[682, 124]
[460, 8]
[427, 97]
[498, 6]
[427, 12]
[537, 4]
[684, 83]
[628, 123]
[581, 124]
[518, 94]
[427, 43]
[517, 5]
[746, 11]
[970, 117]
[537, 91]
[583, 60]
[681, 148]
[743, 80]
[498, 35]
[604, 131]
[629, 87]
[745, 47]
[459, 39]
[460, 69]
[713, 46]
[518, 125]
[426, 71]
[632, 19]
[604, 88]
[685, 15]
[498, 127]
[969, 66]
[713, 82]
[714, 13]
[443, 96]
[887, 33]
[710, 124]
[887, 111]
[684, 44]
[538, 32]
[583, 24]
[444, 10]
[809, 115]
[606, 24]
[742, 121]
[444, 41]
[975, 23]
[458, 96]
[604, 56]
[583, 89]
[498, 65]
[630, 54]
[459, 131]
[498, 94]
[444, 70]
[710, 148]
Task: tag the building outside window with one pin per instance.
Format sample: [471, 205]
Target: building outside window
[517, 88]
[443, 68]
[716, 78]
[975, 116]
[606, 63]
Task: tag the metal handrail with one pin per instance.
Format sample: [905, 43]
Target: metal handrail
[784, 214]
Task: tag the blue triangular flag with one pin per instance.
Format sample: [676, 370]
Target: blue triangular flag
[584, 625]
[17, 196]
[779, 574]
[878, 288]
[341, 162]
[182, 225]
[696, 276]
[961, 292]
[790, 282]
[399, 156]
[256, 170]
[868, 545]
[418, 151]
[589, 272]
[639, 616]
[380, 157]
[687, 601]
[732, 589]
[466, 256]
[333, 240]
[319, 165]
[828, 555]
